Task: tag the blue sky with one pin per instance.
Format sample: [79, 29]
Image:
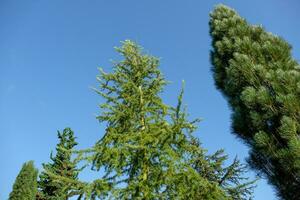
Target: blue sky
[50, 51]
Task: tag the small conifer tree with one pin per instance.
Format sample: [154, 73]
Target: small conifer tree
[58, 180]
[255, 71]
[25, 186]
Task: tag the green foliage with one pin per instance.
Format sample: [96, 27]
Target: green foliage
[58, 180]
[255, 71]
[25, 186]
[148, 151]
[230, 178]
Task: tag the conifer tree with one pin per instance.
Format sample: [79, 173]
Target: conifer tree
[25, 186]
[52, 182]
[148, 151]
[255, 71]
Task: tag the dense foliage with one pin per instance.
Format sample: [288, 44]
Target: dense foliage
[25, 186]
[255, 71]
[58, 180]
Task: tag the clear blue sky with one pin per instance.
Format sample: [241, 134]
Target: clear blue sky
[50, 51]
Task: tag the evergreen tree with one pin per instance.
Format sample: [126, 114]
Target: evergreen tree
[25, 186]
[148, 151]
[255, 71]
[58, 180]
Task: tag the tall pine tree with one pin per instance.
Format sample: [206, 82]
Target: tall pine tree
[148, 151]
[25, 186]
[255, 71]
[58, 180]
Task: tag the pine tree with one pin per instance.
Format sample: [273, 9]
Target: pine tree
[58, 180]
[148, 151]
[255, 71]
[25, 186]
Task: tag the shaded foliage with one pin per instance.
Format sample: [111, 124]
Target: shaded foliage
[25, 186]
